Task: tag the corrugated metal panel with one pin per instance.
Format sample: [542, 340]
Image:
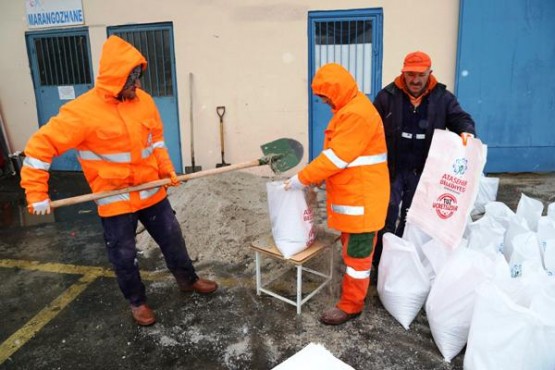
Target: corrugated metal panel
[505, 80]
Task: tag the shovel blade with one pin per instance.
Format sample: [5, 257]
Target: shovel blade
[191, 169]
[283, 154]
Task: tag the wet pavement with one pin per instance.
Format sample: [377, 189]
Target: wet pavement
[61, 307]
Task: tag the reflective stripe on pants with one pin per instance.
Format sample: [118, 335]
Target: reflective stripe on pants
[355, 285]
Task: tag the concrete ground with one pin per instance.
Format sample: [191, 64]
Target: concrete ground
[61, 307]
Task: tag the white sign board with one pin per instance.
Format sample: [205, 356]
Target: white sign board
[54, 13]
[66, 92]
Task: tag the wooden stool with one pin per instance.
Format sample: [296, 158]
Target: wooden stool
[270, 250]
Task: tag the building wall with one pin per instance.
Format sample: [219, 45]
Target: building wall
[250, 56]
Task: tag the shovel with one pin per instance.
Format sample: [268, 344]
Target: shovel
[193, 167]
[221, 112]
[281, 155]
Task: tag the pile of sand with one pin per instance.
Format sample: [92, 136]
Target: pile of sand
[219, 215]
[222, 215]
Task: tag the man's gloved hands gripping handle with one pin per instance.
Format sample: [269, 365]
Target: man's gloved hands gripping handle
[43, 207]
[40, 208]
[174, 181]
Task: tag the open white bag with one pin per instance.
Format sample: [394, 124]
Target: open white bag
[291, 219]
[531, 210]
[448, 187]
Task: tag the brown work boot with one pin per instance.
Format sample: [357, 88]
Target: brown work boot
[143, 315]
[202, 286]
[335, 316]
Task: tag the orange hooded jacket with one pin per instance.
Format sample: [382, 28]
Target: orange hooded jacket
[354, 160]
[119, 143]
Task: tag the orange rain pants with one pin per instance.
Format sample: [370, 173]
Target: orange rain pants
[358, 262]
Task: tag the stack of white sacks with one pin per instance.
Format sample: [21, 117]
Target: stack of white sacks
[494, 293]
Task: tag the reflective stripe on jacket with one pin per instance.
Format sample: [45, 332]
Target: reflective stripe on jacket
[354, 160]
[119, 143]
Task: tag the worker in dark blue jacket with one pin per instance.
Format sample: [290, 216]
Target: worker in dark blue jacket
[412, 107]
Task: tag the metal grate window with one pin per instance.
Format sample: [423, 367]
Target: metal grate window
[348, 43]
[155, 46]
[63, 60]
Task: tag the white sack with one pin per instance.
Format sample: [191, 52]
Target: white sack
[549, 257]
[436, 255]
[500, 212]
[487, 192]
[542, 305]
[451, 300]
[505, 335]
[516, 226]
[523, 290]
[291, 219]
[313, 357]
[414, 235]
[531, 210]
[546, 240]
[526, 255]
[486, 235]
[551, 210]
[448, 187]
[403, 285]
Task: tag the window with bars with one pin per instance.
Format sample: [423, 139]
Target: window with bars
[155, 46]
[63, 60]
[348, 43]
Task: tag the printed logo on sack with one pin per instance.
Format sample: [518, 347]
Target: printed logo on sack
[445, 206]
[516, 270]
[311, 236]
[460, 166]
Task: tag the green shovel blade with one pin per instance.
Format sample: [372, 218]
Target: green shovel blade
[282, 154]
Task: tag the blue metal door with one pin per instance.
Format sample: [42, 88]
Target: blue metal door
[155, 42]
[61, 71]
[505, 80]
[352, 38]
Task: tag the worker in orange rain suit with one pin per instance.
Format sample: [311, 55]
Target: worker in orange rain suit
[117, 132]
[354, 167]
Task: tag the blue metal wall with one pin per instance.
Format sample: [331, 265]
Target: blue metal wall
[506, 80]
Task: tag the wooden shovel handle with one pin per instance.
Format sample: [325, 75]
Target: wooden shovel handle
[153, 184]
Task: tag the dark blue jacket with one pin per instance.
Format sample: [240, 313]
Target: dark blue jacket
[444, 112]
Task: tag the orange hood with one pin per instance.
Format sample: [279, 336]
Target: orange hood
[336, 83]
[116, 62]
